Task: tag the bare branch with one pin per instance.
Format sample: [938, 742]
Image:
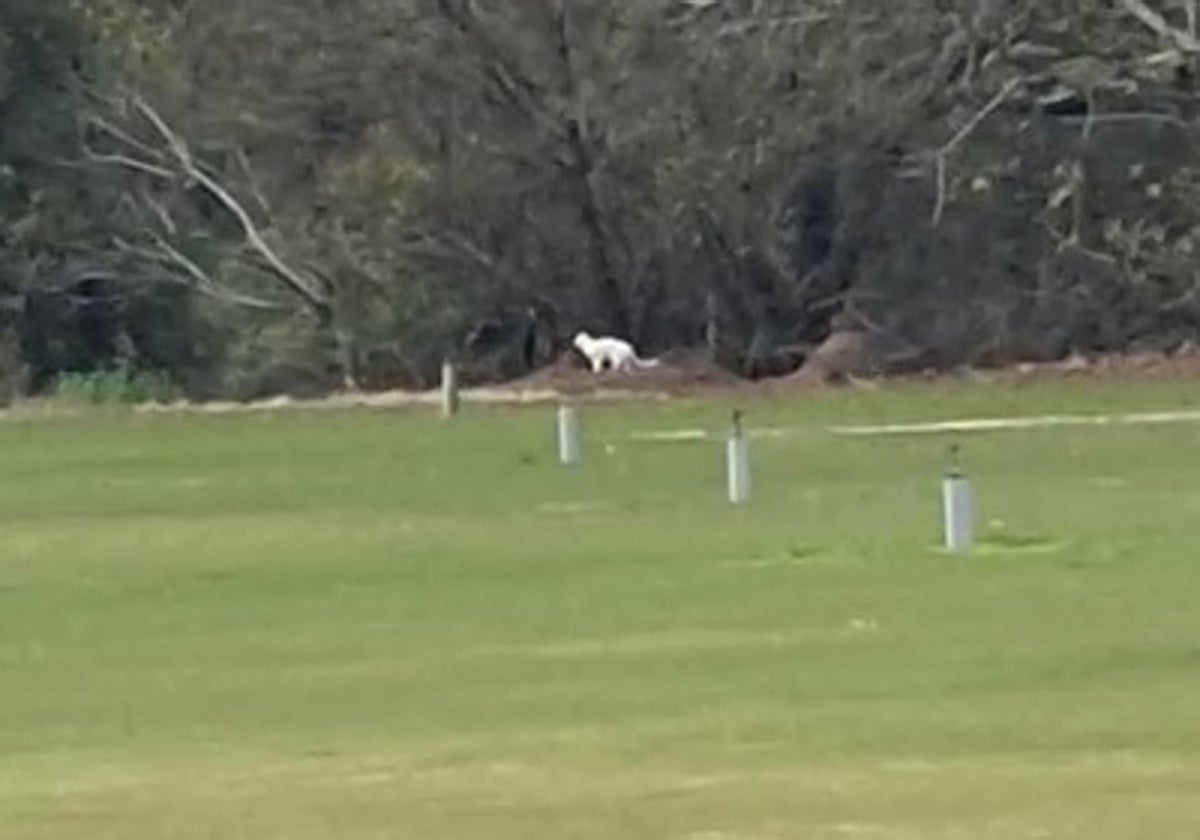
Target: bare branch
[1126, 117]
[127, 162]
[940, 156]
[206, 284]
[451, 246]
[982, 114]
[183, 157]
[166, 254]
[1184, 41]
[251, 181]
[124, 137]
[189, 169]
[939, 207]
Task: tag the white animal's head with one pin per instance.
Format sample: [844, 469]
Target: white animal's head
[581, 340]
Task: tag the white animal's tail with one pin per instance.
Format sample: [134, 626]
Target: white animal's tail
[645, 363]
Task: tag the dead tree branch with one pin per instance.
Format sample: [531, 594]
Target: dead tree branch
[176, 164]
[941, 155]
[299, 284]
[166, 254]
[1184, 41]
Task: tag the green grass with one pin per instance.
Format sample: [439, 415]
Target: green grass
[370, 624]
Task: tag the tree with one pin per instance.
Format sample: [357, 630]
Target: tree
[319, 191]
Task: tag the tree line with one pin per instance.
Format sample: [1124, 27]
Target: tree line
[303, 195]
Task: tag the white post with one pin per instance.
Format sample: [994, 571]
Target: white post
[958, 512]
[569, 450]
[449, 389]
[737, 463]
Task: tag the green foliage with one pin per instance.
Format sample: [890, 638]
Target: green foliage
[119, 385]
[42, 52]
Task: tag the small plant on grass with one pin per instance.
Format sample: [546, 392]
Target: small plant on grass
[122, 384]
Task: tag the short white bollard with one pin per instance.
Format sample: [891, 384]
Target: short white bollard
[450, 400]
[958, 508]
[570, 452]
[737, 463]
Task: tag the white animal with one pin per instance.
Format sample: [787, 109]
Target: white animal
[611, 353]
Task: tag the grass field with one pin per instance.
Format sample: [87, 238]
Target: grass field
[378, 625]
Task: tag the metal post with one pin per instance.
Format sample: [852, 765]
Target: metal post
[450, 399]
[737, 463]
[958, 512]
[569, 450]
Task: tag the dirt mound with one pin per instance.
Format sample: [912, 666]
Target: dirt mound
[852, 354]
[842, 355]
[1182, 365]
[693, 365]
[677, 371]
